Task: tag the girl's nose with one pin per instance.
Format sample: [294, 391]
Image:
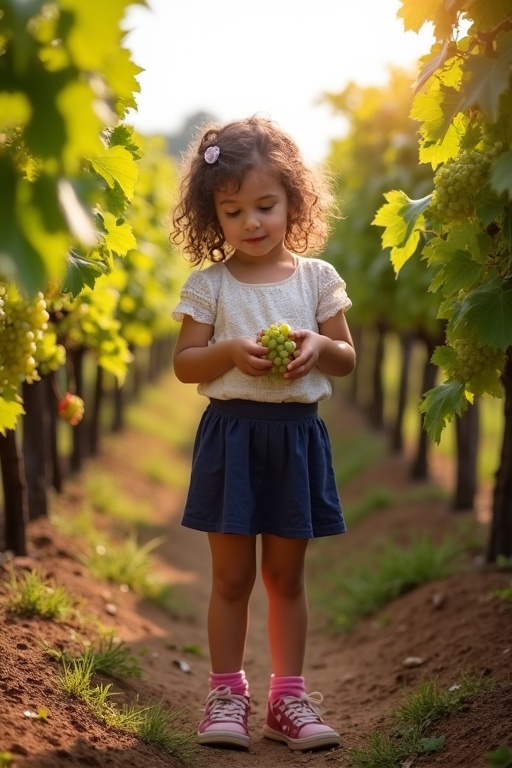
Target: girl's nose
[252, 221]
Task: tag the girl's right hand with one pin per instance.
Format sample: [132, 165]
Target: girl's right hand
[248, 356]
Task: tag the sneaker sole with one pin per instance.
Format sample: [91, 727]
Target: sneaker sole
[224, 739]
[311, 742]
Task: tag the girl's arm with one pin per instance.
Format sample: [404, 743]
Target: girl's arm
[196, 362]
[331, 349]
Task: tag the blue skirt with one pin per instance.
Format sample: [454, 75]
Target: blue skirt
[263, 468]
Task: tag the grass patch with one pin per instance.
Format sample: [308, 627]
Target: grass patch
[79, 524]
[33, 595]
[353, 454]
[109, 657]
[504, 594]
[153, 723]
[414, 722]
[157, 726]
[105, 494]
[381, 497]
[394, 570]
[373, 500]
[125, 562]
[501, 757]
[165, 471]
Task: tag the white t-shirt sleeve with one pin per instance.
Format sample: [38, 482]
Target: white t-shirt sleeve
[197, 299]
[332, 293]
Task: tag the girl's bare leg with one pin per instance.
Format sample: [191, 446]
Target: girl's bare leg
[233, 576]
[282, 568]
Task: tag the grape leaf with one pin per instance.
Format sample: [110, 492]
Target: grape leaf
[402, 219]
[501, 174]
[119, 238]
[456, 270]
[487, 78]
[488, 312]
[488, 15]
[487, 382]
[102, 29]
[81, 271]
[432, 65]
[443, 125]
[76, 104]
[117, 164]
[15, 109]
[115, 365]
[462, 238]
[415, 15]
[445, 357]
[440, 405]
[9, 412]
[122, 136]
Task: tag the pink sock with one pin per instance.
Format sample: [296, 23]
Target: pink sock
[235, 681]
[288, 685]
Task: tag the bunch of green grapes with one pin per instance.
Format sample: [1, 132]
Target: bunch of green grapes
[49, 355]
[22, 328]
[473, 358]
[458, 182]
[280, 346]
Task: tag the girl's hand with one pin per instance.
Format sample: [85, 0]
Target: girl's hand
[306, 355]
[331, 349]
[247, 356]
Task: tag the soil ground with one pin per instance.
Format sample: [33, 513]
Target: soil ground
[453, 626]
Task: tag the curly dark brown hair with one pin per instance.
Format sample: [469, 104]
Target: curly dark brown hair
[254, 142]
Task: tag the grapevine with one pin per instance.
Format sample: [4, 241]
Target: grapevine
[459, 181]
[280, 347]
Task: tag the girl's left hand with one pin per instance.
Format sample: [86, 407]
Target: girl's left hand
[306, 355]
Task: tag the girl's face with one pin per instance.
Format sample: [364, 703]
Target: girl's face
[254, 218]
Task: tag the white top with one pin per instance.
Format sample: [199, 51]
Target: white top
[312, 294]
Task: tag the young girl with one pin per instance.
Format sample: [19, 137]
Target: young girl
[262, 460]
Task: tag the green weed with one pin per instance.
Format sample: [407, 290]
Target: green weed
[109, 657]
[414, 719]
[152, 723]
[105, 494]
[165, 471]
[158, 727]
[501, 757]
[125, 562]
[353, 455]
[373, 500]
[393, 571]
[32, 595]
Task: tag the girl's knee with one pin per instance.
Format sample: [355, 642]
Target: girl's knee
[231, 584]
[282, 583]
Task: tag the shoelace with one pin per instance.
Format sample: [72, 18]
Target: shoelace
[223, 705]
[304, 709]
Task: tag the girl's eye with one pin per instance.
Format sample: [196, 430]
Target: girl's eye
[266, 207]
[232, 214]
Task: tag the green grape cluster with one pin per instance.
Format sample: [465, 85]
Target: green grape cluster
[473, 358]
[22, 328]
[280, 346]
[458, 182]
